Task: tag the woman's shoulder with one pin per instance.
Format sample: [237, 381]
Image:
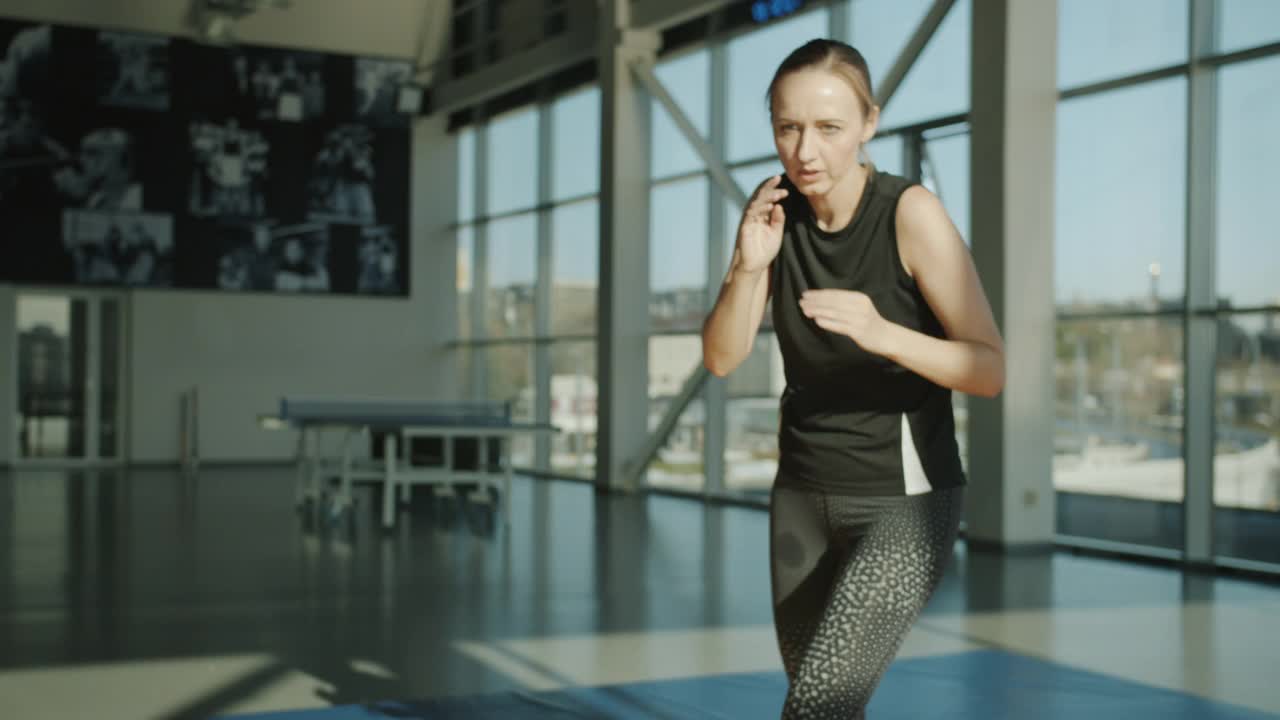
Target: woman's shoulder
[909, 200]
[890, 185]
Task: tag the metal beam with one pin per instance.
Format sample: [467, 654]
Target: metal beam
[1200, 334]
[478, 380]
[515, 71]
[719, 173]
[692, 384]
[543, 290]
[662, 14]
[715, 393]
[911, 53]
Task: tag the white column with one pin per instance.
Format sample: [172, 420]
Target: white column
[1201, 338]
[543, 290]
[715, 392]
[623, 323]
[479, 361]
[1014, 101]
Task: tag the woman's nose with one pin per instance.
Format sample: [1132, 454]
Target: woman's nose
[805, 150]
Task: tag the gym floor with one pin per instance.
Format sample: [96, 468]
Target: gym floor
[147, 594]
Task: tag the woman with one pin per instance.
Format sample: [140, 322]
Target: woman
[879, 315]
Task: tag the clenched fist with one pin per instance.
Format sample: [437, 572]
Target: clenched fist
[849, 313]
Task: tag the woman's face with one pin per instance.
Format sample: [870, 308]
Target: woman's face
[818, 127]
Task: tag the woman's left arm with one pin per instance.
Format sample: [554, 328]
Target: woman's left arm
[971, 357]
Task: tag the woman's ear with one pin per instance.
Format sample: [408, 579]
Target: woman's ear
[871, 125]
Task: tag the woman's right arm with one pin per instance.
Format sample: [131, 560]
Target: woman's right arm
[730, 329]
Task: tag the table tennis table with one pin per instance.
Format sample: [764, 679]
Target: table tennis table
[421, 443]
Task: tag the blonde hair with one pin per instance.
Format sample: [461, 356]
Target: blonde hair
[835, 57]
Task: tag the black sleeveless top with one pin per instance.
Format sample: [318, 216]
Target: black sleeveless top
[853, 422]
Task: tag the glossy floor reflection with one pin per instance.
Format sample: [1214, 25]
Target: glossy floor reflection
[975, 684]
[145, 594]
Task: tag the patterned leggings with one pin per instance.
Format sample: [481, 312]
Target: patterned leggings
[850, 576]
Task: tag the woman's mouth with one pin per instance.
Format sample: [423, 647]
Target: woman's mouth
[809, 174]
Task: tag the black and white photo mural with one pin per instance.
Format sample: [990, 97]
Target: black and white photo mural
[342, 177]
[263, 256]
[119, 248]
[133, 70]
[103, 173]
[228, 170]
[29, 155]
[280, 85]
[170, 163]
[378, 85]
[304, 258]
[247, 258]
[379, 261]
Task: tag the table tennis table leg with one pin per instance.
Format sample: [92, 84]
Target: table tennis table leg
[300, 469]
[344, 501]
[389, 483]
[481, 493]
[504, 452]
[305, 484]
[446, 488]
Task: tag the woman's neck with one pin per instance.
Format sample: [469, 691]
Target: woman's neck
[834, 211]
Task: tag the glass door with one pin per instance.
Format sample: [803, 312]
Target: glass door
[69, 377]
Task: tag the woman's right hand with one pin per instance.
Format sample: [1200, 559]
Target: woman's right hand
[760, 231]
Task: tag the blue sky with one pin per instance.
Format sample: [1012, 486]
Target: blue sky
[1121, 155]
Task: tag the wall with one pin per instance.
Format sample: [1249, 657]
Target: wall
[244, 351]
[8, 371]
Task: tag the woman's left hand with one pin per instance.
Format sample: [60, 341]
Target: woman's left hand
[849, 313]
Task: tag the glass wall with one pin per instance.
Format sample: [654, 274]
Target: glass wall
[1121, 275]
[1100, 40]
[1119, 261]
[1121, 199]
[678, 237]
[1244, 24]
[679, 464]
[573, 408]
[937, 85]
[687, 78]
[1246, 468]
[512, 216]
[1117, 464]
